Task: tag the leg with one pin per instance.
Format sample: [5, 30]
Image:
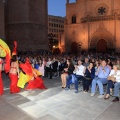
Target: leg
[84, 84]
[100, 83]
[1, 84]
[110, 86]
[68, 78]
[116, 89]
[93, 89]
[62, 79]
[88, 82]
[116, 92]
[77, 78]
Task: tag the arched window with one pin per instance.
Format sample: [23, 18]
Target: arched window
[74, 18]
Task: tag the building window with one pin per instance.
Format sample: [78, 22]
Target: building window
[74, 18]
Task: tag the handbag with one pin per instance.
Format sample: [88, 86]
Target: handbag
[111, 78]
[87, 78]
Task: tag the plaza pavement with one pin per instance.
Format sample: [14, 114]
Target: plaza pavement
[55, 103]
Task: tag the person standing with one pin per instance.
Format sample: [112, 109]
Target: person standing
[14, 75]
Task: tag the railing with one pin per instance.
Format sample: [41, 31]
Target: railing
[100, 18]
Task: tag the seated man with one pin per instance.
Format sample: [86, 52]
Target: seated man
[102, 74]
[79, 73]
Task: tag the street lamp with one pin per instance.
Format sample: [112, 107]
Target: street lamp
[52, 41]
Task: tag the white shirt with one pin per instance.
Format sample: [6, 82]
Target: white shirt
[116, 75]
[80, 70]
[48, 63]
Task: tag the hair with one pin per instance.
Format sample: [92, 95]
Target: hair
[69, 60]
[118, 67]
[14, 58]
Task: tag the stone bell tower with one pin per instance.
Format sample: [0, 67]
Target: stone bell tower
[26, 22]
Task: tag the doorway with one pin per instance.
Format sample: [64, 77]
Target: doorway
[101, 46]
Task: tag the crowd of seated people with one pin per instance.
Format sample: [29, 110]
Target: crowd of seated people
[92, 70]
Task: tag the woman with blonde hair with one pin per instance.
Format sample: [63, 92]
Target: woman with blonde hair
[112, 79]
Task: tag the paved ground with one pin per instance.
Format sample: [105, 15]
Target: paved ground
[55, 104]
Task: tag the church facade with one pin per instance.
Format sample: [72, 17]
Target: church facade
[92, 25]
[26, 22]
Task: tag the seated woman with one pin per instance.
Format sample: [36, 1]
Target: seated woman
[13, 75]
[69, 70]
[113, 77]
[89, 76]
[64, 75]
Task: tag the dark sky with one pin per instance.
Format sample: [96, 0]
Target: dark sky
[57, 7]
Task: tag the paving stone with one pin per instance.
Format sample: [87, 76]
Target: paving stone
[47, 117]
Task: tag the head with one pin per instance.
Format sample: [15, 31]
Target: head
[91, 65]
[14, 58]
[79, 62]
[116, 67]
[69, 62]
[103, 63]
[86, 60]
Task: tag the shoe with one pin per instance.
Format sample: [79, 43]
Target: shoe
[67, 88]
[76, 91]
[107, 96]
[92, 94]
[100, 96]
[116, 99]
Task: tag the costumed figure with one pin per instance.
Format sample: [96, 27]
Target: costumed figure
[36, 82]
[4, 53]
[26, 73]
[14, 71]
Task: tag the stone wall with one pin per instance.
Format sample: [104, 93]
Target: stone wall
[26, 22]
[89, 23]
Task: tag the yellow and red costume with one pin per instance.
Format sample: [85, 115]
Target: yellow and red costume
[37, 82]
[1, 83]
[26, 74]
[4, 52]
[13, 85]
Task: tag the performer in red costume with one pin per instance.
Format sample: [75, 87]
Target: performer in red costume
[36, 82]
[1, 83]
[4, 53]
[13, 75]
[14, 71]
[32, 77]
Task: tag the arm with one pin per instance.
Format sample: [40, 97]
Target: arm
[106, 71]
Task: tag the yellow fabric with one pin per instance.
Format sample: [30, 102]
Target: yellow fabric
[23, 79]
[2, 52]
[37, 72]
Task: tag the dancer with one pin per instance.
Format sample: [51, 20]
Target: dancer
[26, 73]
[1, 83]
[36, 82]
[4, 53]
[14, 71]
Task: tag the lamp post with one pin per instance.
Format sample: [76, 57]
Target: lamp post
[53, 43]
